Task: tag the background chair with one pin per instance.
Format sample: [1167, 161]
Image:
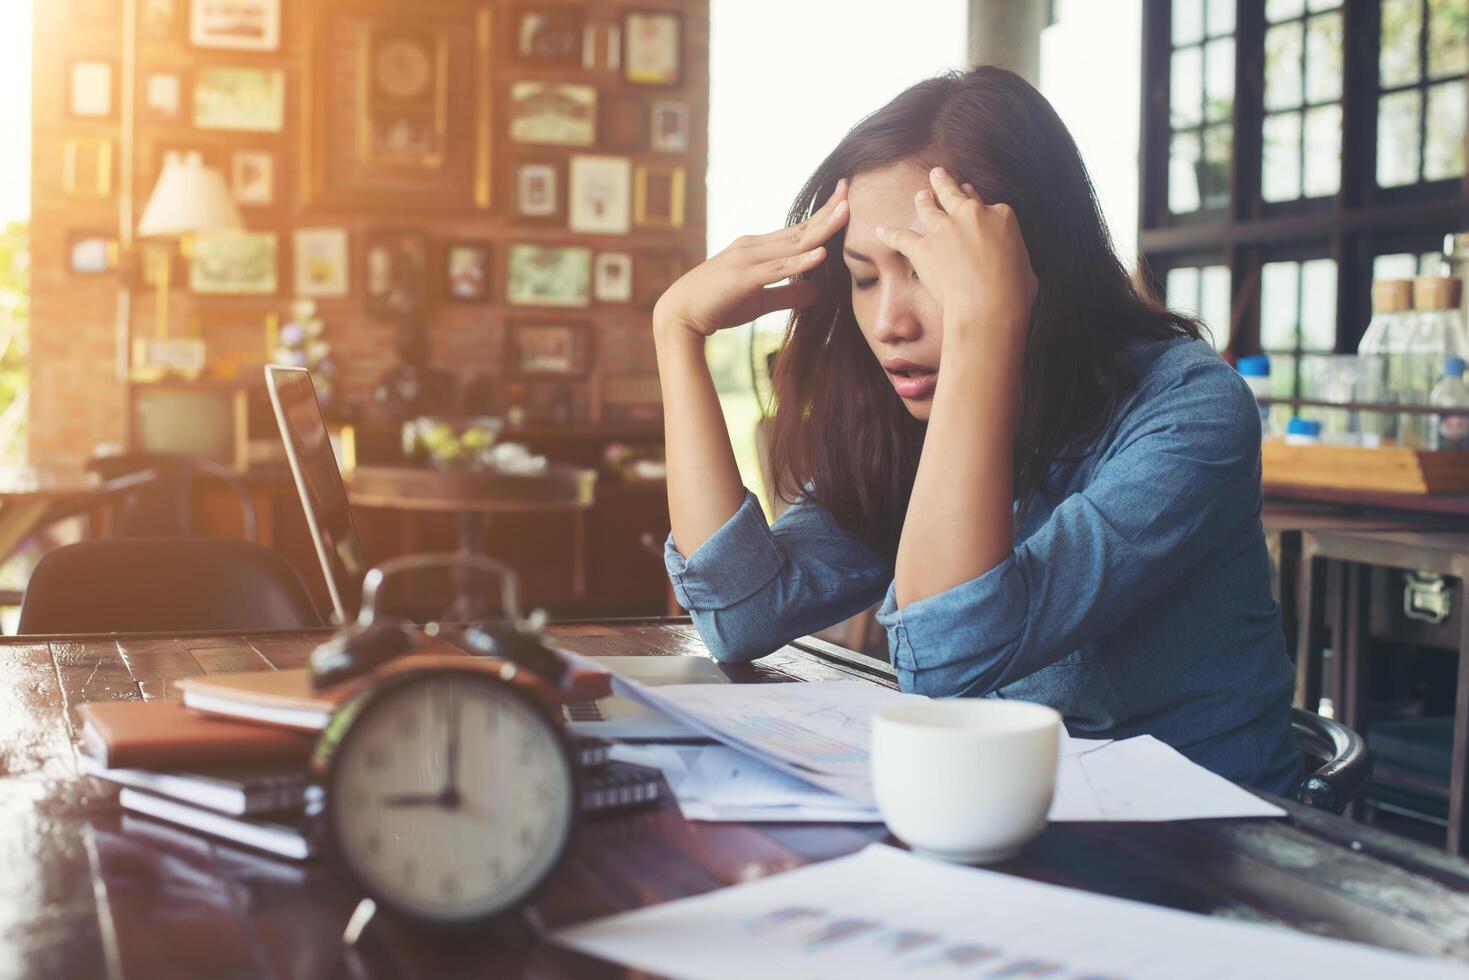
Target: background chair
[145, 585]
[1337, 761]
[165, 508]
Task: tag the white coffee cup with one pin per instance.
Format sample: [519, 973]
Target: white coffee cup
[967, 780]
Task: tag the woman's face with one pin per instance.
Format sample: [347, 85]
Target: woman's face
[900, 321]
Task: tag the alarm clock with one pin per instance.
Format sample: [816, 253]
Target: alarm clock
[450, 787]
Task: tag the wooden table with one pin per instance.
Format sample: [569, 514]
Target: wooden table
[1354, 552]
[90, 892]
[475, 495]
[31, 496]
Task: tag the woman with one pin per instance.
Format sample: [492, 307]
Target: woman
[1050, 482]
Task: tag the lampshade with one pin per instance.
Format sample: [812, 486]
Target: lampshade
[189, 198]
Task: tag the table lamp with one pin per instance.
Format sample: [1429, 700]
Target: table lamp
[188, 199]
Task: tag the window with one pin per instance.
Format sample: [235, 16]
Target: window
[1202, 291]
[1201, 103]
[1422, 58]
[1303, 85]
[1339, 159]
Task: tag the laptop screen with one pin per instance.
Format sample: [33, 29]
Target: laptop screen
[319, 483]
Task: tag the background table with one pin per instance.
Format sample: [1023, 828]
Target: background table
[91, 892]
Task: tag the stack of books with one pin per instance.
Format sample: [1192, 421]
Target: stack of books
[231, 759]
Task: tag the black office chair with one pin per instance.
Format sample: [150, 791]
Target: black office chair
[148, 585]
[165, 507]
[1337, 761]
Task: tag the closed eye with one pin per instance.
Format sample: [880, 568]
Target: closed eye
[869, 283]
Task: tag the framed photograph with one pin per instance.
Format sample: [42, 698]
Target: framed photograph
[600, 195]
[658, 196]
[601, 47]
[243, 99]
[632, 398]
[396, 274]
[671, 127]
[241, 263]
[86, 166]
[612, 277]
[467, 272]
[544, 275]
[252, 178]
[550, 36]
[549, 349]
[404, 109]
[91, 253]
[537, 192]
[321, 256]
[163, 97]
[652, 46]
[158, 20]
[623, 120]
[241, 25]
[656, 272]
[89, 90]
[553, 113]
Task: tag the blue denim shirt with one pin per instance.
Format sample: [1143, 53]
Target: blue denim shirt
[1137, 598]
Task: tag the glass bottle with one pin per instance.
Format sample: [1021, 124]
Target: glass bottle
[1438, 333]
[1391, 299]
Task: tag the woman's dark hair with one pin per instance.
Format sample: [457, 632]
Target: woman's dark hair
[839, 427]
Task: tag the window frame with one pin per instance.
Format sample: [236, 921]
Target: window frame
[1249, 232]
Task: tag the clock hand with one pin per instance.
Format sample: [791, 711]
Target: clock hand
[450, 795]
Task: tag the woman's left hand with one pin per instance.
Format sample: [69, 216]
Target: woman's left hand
[972, 260]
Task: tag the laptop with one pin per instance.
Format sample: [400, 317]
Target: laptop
[318, 481]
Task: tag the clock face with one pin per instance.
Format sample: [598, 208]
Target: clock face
[404, 68]
[451, 797]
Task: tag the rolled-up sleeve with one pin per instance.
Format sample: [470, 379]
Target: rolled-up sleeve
[753, 587]
[1180, 477]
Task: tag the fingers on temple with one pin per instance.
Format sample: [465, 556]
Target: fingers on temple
[784, 266]
[789, 296]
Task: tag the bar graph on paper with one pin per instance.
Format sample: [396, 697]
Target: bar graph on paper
[883, 913]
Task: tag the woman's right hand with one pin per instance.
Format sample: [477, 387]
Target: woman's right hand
[734, 287]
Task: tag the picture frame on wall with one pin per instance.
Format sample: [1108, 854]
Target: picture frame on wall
[553, 113]
[395, 273]
[86, 166]
[537, 190]
[158, 20]
[670, 127]
[91, 253]
[549, 275]
[241, 263]
[322, 262]
[602, 47]
[240, 99]
[612, 277]
[549, 35]
[623, 123]
[658, 196]
[239, 25]
[467, 271]
[600, 195]
[163, 97]
[403, 116]
[253, 178]
[89, 89]
[652, 48]
[549, 350]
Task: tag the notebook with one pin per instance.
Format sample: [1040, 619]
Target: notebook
[236, 791]
[288, 833]
[165, 735]
[283, 698]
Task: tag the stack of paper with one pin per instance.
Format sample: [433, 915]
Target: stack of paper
[886, 913]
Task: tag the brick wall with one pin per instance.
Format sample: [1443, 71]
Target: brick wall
[79, 397]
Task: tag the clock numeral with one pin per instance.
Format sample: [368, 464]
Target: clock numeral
[374, 844]
[449, 886]
[408, 722]
[410, 872]
[525, 752]
[497, 869]
[377, 757]
[545, 792]
[526, 836]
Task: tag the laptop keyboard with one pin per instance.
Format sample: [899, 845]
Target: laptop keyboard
[582, 711]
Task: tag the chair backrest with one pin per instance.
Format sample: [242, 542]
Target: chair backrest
[1337, 762]
[165, 506]
[144, 585]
